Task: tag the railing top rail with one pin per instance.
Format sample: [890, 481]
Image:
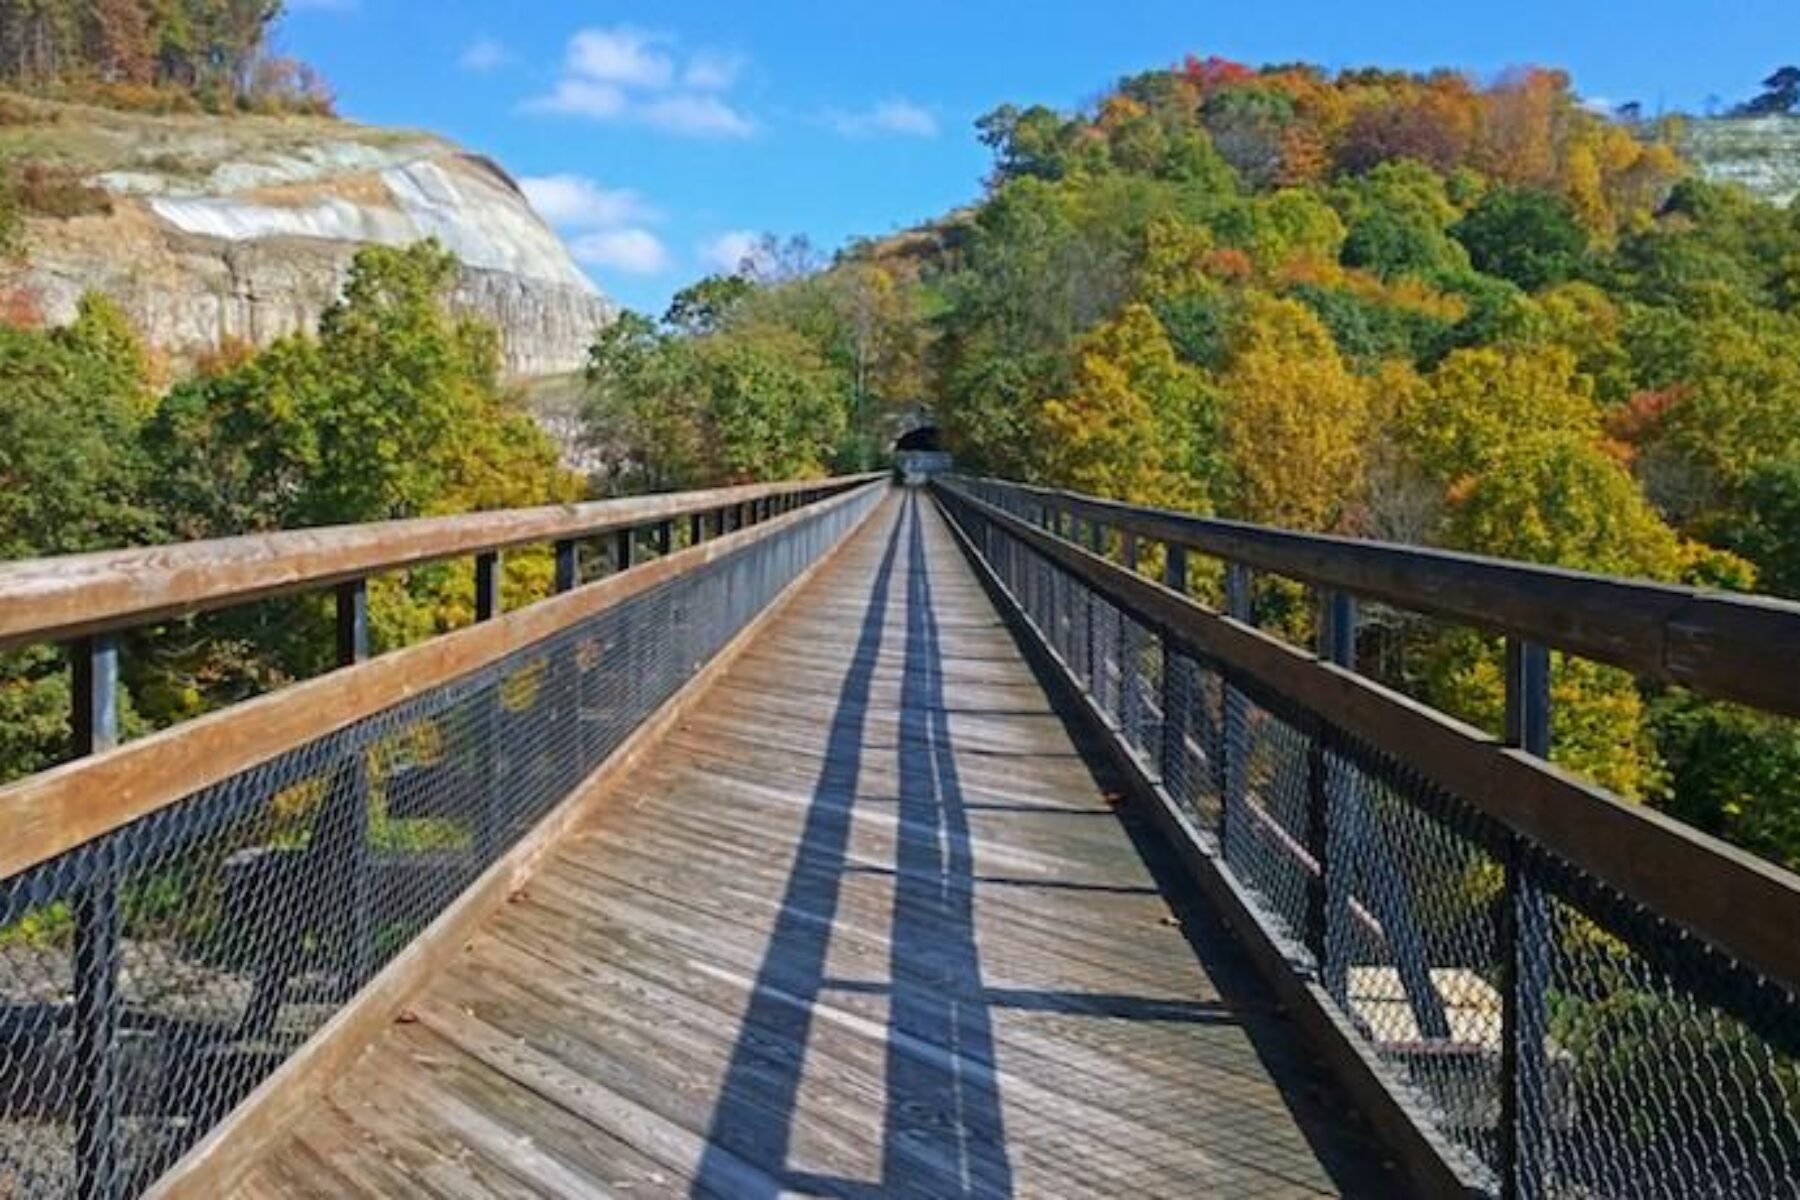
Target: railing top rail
[1745, 906]
[67, 806]
[1733, 647]
[51, 599]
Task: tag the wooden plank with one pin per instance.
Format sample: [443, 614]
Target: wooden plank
[57, 810]
[53, 599]
[229, 1148]
[704, 973]
[1432, 1166]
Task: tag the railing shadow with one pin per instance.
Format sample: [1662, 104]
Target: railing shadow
[942, 1089]
[753, 1119]
[943, 1131]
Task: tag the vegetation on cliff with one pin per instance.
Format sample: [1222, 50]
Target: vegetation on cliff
[163, 55]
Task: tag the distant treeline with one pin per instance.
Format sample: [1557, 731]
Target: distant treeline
[155, 54]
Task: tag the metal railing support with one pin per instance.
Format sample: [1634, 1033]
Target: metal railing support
[97, 1008]
[1330, 819]
[1524, 929]
[1176, 694]
[487, 585]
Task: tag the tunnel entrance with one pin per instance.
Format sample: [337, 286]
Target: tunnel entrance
[919, 454]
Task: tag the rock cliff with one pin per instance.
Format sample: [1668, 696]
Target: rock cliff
[1762, 153]
[243, 229]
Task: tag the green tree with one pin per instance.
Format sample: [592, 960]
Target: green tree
[1529, 237]
[71, 480]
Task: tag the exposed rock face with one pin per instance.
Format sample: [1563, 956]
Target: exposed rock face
[1762, 153]
[244, 229]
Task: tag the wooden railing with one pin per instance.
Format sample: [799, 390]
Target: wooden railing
[258, 828]
[1714, 924]
[88, 597]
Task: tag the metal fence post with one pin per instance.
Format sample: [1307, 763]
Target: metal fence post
[1328, 814]
[568, 564]
[347, 833]
[487, 585]
[622, 549]
[1234, 736]
[487, 607]
[97, 1099]
[1175, 681]
[1127, 651]
[1525, 953]
[665, 538]
[1097, 655]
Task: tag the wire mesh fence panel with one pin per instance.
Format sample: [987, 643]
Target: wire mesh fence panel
[1265, 808]
[1558, 1038]
[151, 978]
[1672, 1070]
[1410, 940]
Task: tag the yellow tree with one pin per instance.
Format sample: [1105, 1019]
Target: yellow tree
[1132, 426]
[1295, 418]
[1513, 437]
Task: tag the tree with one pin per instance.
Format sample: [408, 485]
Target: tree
[1398, 217]
[1138, 425]
[1526, 236]
[1025, 142]
[645, 414]
[71, 479]
[70, 472]
[704, 307]
[394, 410]
[1294, 419]
[775, 406]
[1780, 94]
[155, 53]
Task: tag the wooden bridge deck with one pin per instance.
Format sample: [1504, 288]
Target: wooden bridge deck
[865, 924]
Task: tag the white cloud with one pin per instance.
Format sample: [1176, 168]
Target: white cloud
[576, 202]
[632, 251]
[900, 118]
[624, 56]
[712, 70]
[703, 115]
[729, 250]
[626, 74]
[581, 98]
[484, 54]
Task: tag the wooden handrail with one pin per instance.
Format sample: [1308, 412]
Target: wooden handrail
[1725, 645]
[53, 599]
[54, 811]
[1737, 902]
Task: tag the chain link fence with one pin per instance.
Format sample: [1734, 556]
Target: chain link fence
[151, 978]
[1646, 1063]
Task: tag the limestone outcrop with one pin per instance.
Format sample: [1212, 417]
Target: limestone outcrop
[243, 229]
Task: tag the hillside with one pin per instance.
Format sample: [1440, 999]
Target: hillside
[1417, 307]
[208, 230]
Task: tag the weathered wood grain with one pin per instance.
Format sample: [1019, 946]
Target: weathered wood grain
[67, 806]
[866, 924]
[53, 599]
[1733, 647]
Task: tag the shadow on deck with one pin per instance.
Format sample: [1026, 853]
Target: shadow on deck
[868, 924]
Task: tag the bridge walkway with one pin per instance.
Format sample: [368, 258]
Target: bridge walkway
[866, 924]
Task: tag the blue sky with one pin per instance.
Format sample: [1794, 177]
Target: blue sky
[658, 136]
